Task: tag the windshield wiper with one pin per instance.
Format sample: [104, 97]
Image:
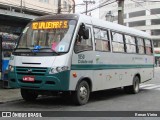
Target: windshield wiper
[22, 50]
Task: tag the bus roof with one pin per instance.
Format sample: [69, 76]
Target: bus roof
[116, 27]
[97, 22]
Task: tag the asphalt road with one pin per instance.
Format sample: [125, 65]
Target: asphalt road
[148, 99]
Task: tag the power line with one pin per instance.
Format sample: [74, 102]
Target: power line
[105, 2]
[87, 3]
[99, 6]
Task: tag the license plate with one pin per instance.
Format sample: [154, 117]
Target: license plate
[29, 78]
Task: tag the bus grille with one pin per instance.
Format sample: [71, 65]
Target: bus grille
[31, 71]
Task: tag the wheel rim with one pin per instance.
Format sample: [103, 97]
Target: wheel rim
[136, 85]
[83, 93]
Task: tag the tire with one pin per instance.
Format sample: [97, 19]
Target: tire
[29, 95]
[81, 95]
[133, 89]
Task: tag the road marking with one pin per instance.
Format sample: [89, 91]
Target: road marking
[146, 85]
[150, 86]
[153, 87]
[157, 89]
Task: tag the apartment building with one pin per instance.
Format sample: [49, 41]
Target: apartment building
[141, 15]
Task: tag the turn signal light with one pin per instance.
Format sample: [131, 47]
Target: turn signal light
[74, 74]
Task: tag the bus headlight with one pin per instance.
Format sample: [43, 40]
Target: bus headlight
[58, 69]
[11, 68]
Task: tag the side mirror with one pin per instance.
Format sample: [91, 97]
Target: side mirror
[83, 31]
[86, 34]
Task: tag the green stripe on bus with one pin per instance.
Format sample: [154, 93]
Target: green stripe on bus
[107, 66]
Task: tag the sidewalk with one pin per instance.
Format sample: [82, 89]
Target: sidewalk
[7, 95]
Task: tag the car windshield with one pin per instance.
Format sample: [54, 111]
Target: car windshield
[55, 35]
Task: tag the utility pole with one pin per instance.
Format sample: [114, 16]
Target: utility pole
[21, 6]
[59, 7]
[121, 12]
[74, 5]
[88, 2]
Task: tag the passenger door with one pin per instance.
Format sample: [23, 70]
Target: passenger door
[82, 58]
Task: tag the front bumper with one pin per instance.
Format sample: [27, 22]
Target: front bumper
[58, 81]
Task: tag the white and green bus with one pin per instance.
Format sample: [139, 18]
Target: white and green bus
[76, 54]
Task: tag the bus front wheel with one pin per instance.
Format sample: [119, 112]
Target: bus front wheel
[81, 95]
[133, 89]
[29, 95]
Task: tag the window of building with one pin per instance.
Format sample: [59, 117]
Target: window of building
[140, 43]
[155, 11]
[137, 23]
[155, 22]
[156, 43]
[148, 47]
[137, 14]
[155, 32]
[117, 42]
[130, 44]
[101, 39]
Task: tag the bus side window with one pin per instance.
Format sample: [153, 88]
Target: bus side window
[82, 44]
[130, 44]
[102, 40]
[141, 47]
[148, 47]
[117, 42]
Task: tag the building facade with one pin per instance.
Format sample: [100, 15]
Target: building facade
[36, 7]
[144, 16]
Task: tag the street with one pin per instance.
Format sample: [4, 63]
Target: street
[109, 100]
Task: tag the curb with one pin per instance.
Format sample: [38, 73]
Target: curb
[3, 102]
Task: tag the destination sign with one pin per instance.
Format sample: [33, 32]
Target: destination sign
[50, 24]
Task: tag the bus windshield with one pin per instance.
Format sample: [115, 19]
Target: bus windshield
[55, 35]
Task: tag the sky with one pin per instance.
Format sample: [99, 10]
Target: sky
[81, 8]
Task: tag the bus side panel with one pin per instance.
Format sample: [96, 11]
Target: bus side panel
[81, 75]
[82, 66]
[118, 69]
[112, 70]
